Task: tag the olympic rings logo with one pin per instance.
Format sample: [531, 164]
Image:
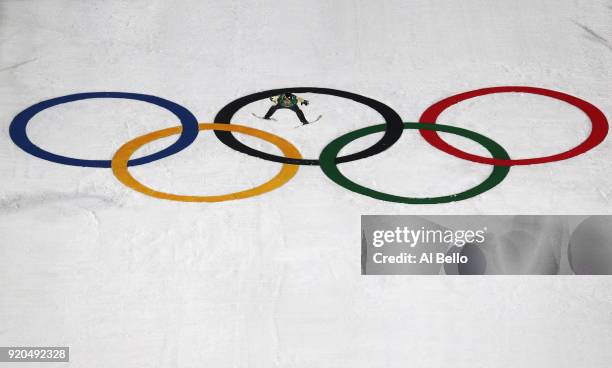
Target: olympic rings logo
[328, 160]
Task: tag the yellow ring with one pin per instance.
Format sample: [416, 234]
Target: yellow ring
[121, 158]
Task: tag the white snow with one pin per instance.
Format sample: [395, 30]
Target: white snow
[126, 280]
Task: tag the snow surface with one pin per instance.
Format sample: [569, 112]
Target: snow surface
[126, 280]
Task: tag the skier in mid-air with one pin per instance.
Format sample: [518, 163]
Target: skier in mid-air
[288, 101]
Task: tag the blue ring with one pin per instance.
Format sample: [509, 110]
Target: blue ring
[17, 129]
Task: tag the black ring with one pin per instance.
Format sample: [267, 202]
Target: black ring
[393, 130]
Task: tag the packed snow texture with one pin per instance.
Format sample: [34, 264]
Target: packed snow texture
[127, 280]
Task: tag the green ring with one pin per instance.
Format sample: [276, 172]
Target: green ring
[329, 166]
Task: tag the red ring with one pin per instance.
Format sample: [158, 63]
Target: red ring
[599, 125]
